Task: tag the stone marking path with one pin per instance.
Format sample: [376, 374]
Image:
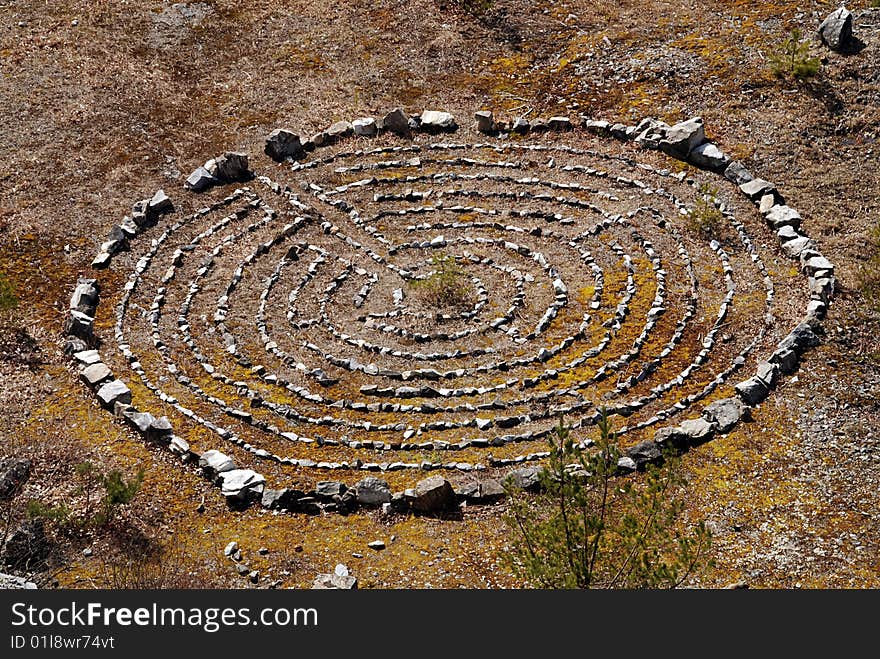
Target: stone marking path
[285, 326]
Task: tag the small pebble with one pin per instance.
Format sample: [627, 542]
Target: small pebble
[263, 551]
[376, 544]
[87, 551]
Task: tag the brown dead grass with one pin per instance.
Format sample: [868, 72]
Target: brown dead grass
[100, 114]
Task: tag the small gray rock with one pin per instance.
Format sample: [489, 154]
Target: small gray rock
[102, 260]
[708, 156]
[330, 489]
[95, 374]
[282, 144]
[757, 188]
[520, 126]
[178, 445]
[27, 547]
[87, 357]
[215, 462]
[794, 248]
[484, 121]
[737, 173]
[524, 478]
[698, 430]
[339, 130]
[85, 297]
[781, 215]
[114, 392]
[200, 180]
[559, 123]
[725, 413]
[334, 582]
[433, 494]
[800, 338]
[241, 484]
[768, 372]
[490, 491]
[684, 137]
[645, 453]
[786, 359]
[14, 473]
[836, 30]
[626, 465]
[364, 127]
[671, 436]
[372, 491]
[434, 121]
[283, 499]
[752, 391]
[232, 166]
[159, 204]
[79, 325]
[397, 122]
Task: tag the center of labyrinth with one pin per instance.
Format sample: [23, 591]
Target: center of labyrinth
[441, 306]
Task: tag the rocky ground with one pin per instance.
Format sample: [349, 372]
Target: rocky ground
[104, 104]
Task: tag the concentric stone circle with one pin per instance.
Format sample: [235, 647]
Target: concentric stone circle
[286, 320]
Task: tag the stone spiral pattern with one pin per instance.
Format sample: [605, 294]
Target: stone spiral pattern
[287, 321]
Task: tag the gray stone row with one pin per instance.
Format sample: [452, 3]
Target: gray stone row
[284, 145]
[224, 433]
[229, 167]
[238, 485]
[80, 319]
[144, 214]
[368, 181]
[687, 141]
[737, 362]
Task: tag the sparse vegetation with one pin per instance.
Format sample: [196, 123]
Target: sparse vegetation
[590, 529]
[99, 494]
[8, 297]
[144, 565]
[705, 219]
[792, 58]
[447, 287]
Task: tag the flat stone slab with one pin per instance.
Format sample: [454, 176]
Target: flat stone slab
[115, 391]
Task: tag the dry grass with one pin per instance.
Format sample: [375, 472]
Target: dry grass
[102, 113]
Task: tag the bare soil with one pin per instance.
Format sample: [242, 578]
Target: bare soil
[103, 103]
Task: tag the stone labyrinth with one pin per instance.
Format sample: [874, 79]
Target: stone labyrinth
[287, 334]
